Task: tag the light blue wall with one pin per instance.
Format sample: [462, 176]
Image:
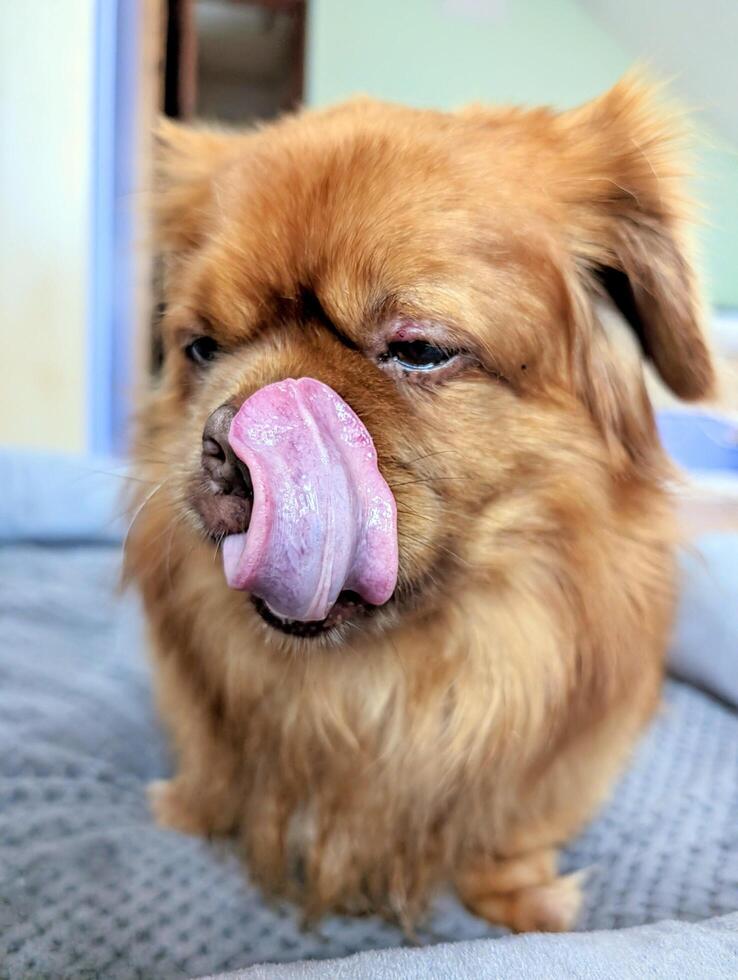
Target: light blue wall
[441, 53]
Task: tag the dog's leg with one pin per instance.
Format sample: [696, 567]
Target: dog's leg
[523, 892]
[520, 886]
[192, 806]
[204, 797]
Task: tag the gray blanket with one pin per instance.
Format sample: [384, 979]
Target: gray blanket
[664, 951]
[90, 888]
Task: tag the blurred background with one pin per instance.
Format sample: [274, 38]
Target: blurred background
[81, 82]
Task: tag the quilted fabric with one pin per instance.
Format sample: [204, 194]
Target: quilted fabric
[89, 887]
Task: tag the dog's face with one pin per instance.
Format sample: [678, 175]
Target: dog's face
[439, 273]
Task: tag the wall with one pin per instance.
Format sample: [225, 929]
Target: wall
[46, 91]
[448, 52]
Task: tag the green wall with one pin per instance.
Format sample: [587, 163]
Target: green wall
[429, 53]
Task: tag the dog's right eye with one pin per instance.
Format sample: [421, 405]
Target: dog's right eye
[201, 350]
[418, 355]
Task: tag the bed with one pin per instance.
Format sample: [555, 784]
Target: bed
[90, 888]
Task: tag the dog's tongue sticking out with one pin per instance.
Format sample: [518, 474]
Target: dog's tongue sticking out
[323, 517]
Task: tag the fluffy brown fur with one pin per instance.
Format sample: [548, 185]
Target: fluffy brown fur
[471, 726]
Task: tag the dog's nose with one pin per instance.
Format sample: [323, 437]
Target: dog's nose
[219, 462]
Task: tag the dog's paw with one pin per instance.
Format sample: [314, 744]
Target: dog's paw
[550, 907]
[173, 810]
[524, 893]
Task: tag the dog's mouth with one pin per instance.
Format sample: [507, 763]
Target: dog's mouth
[349, 607]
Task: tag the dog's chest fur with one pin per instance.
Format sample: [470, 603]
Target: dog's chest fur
[368, 773]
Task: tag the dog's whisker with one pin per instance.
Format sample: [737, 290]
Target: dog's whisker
[164, 532]
[139, 510]
[425, 479]
[418, 459]
[218, 545]
[121, 476]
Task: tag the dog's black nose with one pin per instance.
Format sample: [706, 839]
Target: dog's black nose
[219, 462]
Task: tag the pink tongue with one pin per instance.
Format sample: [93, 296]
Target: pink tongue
[323, 517]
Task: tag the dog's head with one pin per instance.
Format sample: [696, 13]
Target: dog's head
[441, 275]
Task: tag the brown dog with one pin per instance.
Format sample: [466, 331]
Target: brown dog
[446, 276]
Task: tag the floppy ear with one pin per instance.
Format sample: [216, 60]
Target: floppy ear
[187, 162]
[627, 218]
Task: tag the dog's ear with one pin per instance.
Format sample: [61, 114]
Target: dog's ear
[626, 219]
[187, 162]
[608, 376]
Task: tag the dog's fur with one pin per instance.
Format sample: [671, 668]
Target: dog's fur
[466, 730]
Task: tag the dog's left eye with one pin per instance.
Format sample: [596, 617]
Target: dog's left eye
[201, 350]
[418, 355]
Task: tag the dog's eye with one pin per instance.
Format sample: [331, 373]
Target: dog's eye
[201, 350]
[418, 355]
